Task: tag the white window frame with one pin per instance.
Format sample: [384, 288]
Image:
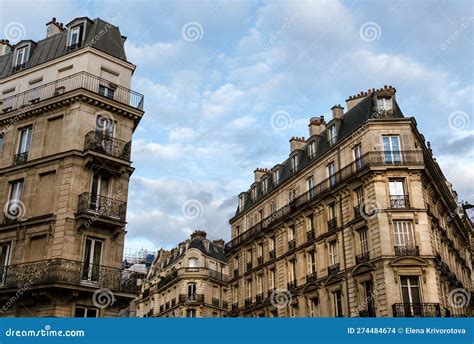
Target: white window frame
[404, 233]
[271, 279]
[333, 253]
[364, 241]
[332, 174]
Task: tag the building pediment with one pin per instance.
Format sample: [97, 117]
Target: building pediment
[362, 268]
[408, 261]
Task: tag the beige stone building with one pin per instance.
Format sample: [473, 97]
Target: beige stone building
[67, 115]
[358, 221]
[187, 281]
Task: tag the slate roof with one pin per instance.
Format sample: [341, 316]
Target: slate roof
[99, 34]
[350, 122]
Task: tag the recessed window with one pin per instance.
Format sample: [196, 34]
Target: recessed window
[14, 208]
[4, 261]
[391, 147]
[312, 150]
[332, 135]
[265, 186]
[21, 56]
[337, 298]
[75, 38]
[192, 262]
[241, 202]
[333, 256]
[1, 141]
[86, 312]
[254, 193]
[294, 163]
[276, 177]
[332, 174]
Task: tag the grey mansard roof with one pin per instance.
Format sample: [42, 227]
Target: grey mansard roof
[349, 123]
[99, 34]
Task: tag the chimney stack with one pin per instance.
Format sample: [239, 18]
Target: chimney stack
[5, 47]
[198, 235]
[259, 173]
[53, 27]
[337, 111]
[316, 125]
[296, 143]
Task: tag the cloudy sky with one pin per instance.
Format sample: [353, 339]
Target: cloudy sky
[227, 84]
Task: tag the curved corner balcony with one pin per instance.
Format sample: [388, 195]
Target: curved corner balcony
[82, 80]
[105, 144]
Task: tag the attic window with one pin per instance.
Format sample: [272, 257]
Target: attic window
[294, 163]
[384, 104]
[75, 37]
[21, 57]
[311, 150]
[241, 202]
[254, 193]
[265, 186]
[332, 134]
[276, 177]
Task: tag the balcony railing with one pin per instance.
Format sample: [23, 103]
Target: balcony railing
[407, 250]
[271, 254]
[332, 224]
[399, 201]
[362, 258]
[192, 298]
[259, 297]
[311, 277]
[371, 159]
[291, 244]
[20, 158]
[249, 266]
[259, 260]
[416, 310]
[76, 81]
[310, 235]
[99, 142]
[333, 269]
[64, 271]
[101, 206]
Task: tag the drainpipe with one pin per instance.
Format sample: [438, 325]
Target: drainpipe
[343, 240]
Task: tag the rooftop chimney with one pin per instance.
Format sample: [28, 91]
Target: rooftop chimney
[259, 173]
[219, 242]
[53, 27]
[316, 125]
[5, 47]
[337, 111]
[356, 99]
[296, 143]
[198, 235]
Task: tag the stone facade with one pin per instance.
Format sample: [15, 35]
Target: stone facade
[66, 130]
[359, 221]
[188, 281]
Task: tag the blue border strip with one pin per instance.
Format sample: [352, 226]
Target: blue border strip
[238, 330]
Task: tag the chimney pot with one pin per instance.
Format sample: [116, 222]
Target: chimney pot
[53, 28]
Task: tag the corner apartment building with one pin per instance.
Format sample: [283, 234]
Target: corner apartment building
[67, 116]
[188, 281]
[354, 223]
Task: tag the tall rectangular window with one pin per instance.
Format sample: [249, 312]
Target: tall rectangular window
[311, 150]
[271, 244]
[332, 135]
[1, 141]
[403, 231]
[292, 270]
[14, 209]
[294, 163]
[271, 279]
[21, 56]
[358, 156]
[309, 223]
[24, 141]
[259, 284]
[191, 313]
[265, 186]
[276, 177]
[391, 148]
[398, 197]
[191, 291]
[313, 307]
[291, 233]
[4, 260]
[311, 262]
[364, 243]
[333, 256]
[92, 260]
[337, 299]
[411, 295]
[332, 174]
[310, 186]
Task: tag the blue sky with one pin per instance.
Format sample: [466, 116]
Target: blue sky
[227, 84]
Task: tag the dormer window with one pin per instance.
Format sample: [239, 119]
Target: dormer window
[75, 37]
[384, 104]
[241, 202]
[265, 186]
[254, 193]
[294, 163]
[311, 150]
[332, 135]
[276, 177]
[21, 56]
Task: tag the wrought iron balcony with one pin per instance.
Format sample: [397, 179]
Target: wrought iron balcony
[368, 160]
[101, 143]
[291, 244]
[332, 224]
[74, 82]
[311, 277]
[362, 258]
[260, 260]
[193, 298]
[310, 235]
[399, 201]
[69, 272]
[333, 269]
[101, 206]
[248, 301]
[408, 250]
[416, 310]
[20, 158]
[271, 254]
